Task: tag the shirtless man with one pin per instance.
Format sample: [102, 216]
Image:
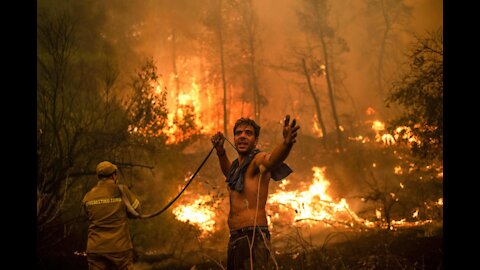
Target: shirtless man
[248, 178]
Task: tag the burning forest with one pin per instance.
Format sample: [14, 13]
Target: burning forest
[146, 85]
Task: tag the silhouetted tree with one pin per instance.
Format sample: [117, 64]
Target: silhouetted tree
[78, 118]
[218, 24]
[147, 105]
[316, 101]
[386, 17]
[314, 18]
[249, 38]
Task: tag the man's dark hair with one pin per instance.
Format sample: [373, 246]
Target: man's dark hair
[249, 122]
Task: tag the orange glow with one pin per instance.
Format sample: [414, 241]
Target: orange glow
[402, 132]
[200, 213]
[370, 111]
[308, 204]
[439, 202]
[406, 133]
[316, 129]
[388, 139]
[378, 126]
[415, 213]
[359, 138]
[189, 101]
[314, 204]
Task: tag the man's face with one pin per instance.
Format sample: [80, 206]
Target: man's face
[245, 140]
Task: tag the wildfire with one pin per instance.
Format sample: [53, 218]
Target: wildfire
[407, 134]
[401, 132]
[186, 102]
[200, 213]
[378, 126]
[439, 202]
[316, 129]
[308, 204]
[314, 204]
[370, 111]
[311, 205]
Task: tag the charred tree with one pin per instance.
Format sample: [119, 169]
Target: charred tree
[224, 82]
[219, 34]
[218, 20]
[78, 119]
[328, 76]
[250, 39]
[314, 18]
[174, 67]
[389, 14]
[317, 103]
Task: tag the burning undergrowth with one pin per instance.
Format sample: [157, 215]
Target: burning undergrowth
[331, 198]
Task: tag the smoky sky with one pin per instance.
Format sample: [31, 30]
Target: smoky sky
[139, 30]
[175, 36]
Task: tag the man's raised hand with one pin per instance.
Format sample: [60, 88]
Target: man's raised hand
[218, 139]
[290, 130]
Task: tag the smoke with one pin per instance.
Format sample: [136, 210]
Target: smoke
[174, 34]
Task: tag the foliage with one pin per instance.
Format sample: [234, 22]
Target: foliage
[420, 92]
[147, 108]
[79, 119]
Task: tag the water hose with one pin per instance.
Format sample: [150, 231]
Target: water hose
[132, 211]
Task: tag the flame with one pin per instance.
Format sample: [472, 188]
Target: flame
[388, 139]
[186, 101]
[310, 204]
[415, 213]
[398, 170]
[439, 201]
[405, 132]
[314, 204]
[370, 111]
[200, 213]
[378, 125]
[316, 129]
[359, 138]
[190, 97]
[401, 132]
[179, 106]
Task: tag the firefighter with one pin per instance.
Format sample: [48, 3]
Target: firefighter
[109, 245]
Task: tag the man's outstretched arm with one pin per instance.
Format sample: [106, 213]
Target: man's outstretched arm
[281, 151]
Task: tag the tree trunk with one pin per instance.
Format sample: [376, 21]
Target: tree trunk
[382, 51]
[222, 66]
[174, 68]
[317, 104]
[253, 74]
[330, 93]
